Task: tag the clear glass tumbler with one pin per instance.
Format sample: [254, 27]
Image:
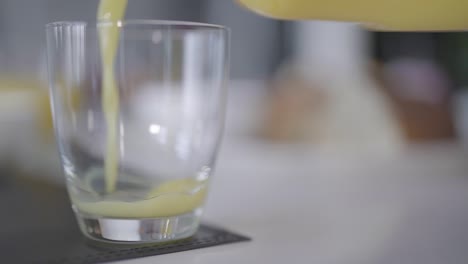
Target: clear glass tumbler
[169, 110]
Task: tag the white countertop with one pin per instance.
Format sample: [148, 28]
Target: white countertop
[300, 206]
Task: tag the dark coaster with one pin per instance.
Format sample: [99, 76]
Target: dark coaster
[38, 226]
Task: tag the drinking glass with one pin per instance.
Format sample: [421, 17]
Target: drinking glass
[170, 107]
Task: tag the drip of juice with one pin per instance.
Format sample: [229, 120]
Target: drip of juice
[389, 15]
[110, 13]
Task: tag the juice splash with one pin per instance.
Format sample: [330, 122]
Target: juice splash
[171, 198]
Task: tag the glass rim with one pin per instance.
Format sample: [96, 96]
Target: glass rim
[148, 22]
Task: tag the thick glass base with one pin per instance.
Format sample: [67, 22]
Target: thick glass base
[138, 231]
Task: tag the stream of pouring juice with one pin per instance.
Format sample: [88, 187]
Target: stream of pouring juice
[110, 13]
[169, 198]
[391, 15]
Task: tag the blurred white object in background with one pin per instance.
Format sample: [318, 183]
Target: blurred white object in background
[356, 114]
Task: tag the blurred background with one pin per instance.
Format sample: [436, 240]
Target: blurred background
[329, 84]
[317, 99]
